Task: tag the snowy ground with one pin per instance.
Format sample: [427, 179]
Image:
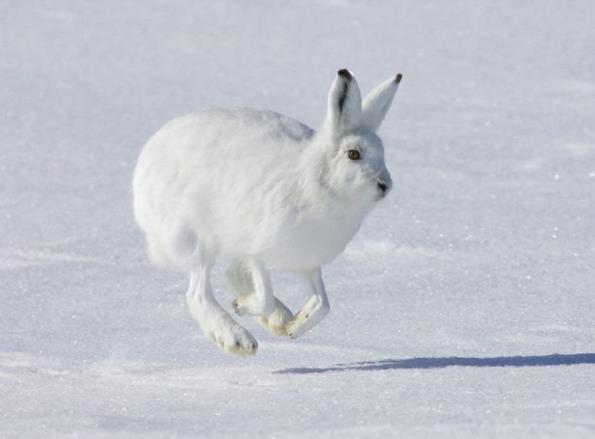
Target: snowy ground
[465, 306]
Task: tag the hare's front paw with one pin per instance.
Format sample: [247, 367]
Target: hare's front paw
[251, 304]
[241, 304]
[276, 322]
[312, 313]
[295, 327]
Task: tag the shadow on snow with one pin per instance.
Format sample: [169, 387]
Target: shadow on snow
[441, 362]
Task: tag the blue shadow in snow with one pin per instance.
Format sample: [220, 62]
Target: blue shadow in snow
[441, 362]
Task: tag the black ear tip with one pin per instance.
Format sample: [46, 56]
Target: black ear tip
[398, 78]
[344, 73]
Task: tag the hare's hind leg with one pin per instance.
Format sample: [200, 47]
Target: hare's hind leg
[213, 320]
[314, 309]
[250, 283]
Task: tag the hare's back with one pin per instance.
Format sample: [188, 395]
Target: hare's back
[221, 130]
[225, 142]
[200, 170]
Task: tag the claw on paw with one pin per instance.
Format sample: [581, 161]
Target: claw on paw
[229, 336]
[236, 307]
[244, 346]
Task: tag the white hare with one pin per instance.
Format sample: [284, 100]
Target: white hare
[267, 191]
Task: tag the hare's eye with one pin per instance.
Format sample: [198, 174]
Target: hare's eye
[354, 154]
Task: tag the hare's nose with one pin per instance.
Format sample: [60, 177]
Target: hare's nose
[384, 187]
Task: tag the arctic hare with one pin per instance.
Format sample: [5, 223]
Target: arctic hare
[268, 192]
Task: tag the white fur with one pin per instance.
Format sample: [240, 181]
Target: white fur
[269, 192]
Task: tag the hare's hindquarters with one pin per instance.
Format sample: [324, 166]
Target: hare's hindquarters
[160, 222]
[160, 211]
[171, 193]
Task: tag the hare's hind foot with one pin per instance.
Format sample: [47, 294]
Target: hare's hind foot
[213, 320]
[236, 341]
[228, 335]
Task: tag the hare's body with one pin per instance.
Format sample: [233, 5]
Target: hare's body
[261, 207]
[267, 191]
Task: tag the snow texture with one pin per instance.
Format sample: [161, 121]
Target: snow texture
[464, 307]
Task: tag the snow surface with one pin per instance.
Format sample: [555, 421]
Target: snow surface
[464, 307]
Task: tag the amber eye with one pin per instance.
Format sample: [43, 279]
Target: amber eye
[353, 154]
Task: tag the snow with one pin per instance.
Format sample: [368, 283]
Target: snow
[464, 307]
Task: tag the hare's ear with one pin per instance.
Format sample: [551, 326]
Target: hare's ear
[378, 102]
[344, 102]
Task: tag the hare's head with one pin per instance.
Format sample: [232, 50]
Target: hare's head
[354, 153]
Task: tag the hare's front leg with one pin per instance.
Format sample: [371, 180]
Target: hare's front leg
[241, 281]
[212, 318]
[260, 301]
[315, 308]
